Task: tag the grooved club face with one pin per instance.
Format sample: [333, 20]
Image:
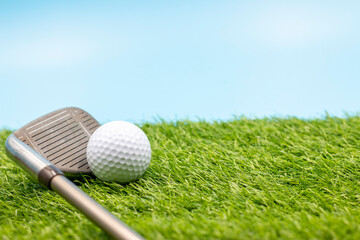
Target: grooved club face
[61, 137]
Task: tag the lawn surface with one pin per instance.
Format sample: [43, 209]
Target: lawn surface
[242, 179]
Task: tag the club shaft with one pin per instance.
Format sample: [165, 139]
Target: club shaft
[94, 211]
[48, 175]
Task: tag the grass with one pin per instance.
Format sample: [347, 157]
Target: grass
[271, 178]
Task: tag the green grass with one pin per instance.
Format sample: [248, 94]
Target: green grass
[243, 179]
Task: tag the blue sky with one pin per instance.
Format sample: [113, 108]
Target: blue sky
[140, 60]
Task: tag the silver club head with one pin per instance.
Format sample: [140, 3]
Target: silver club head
[61, 137]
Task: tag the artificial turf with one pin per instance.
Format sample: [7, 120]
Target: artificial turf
[270, 178]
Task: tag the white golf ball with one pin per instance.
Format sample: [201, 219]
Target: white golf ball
[118, 151]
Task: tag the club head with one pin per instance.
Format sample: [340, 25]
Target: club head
[61, 138]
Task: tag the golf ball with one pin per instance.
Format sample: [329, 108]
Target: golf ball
[118, 151]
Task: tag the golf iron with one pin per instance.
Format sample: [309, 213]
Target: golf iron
[54, 145]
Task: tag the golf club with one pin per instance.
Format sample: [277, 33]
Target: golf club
[54, 145]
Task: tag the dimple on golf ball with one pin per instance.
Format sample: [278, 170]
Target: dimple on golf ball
[118, 151]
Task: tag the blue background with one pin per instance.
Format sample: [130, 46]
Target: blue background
[141, 60]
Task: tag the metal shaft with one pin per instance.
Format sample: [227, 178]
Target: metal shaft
[94, 211]
[47, 174]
